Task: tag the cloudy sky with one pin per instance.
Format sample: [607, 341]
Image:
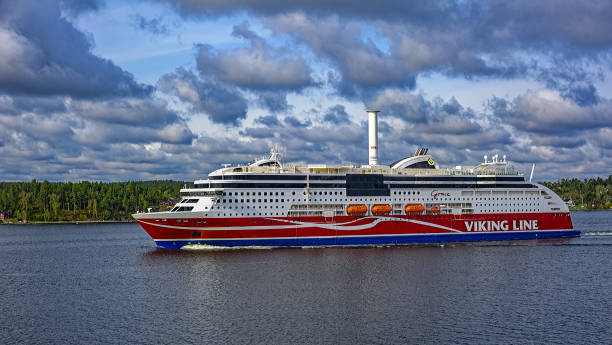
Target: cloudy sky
[171, 89]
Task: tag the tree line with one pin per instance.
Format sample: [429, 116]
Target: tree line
[595, 193]
[83, 201]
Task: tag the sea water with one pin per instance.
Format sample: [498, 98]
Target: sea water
[108, 284]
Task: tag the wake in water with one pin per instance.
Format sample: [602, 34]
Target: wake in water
[214, 248]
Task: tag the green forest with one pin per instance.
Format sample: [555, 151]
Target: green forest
[84, 201]
[593, 193]
[100, 201]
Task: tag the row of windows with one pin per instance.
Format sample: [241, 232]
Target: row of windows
[228, 201]
[280, 193]
[404, 193]
[381, 199]
[278, 177]
[281, 177]
[374, 199]
[249, 200]
[530, 204]
[249, 214]
[254, 193]
[464, 210]
[247, 206]
[464, 186]
[341, 193]
[230, 184]
[511, 198]
[455, 178]
[324, 193]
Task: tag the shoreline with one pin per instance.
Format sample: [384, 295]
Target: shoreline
[590, 209]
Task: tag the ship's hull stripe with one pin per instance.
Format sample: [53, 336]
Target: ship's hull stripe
[367, 239]
[298, 224]
[346, 236]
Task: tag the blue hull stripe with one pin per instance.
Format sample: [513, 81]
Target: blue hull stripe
[371, 240]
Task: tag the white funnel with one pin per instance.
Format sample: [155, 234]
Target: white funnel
[373, 136]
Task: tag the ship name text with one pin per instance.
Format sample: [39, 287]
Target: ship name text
[501, 225]
[436, 194]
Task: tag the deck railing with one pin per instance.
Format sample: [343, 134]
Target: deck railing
[316, 170]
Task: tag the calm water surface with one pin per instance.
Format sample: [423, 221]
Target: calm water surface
[106, 283]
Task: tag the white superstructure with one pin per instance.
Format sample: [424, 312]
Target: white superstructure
[412, 200]
[267, 187]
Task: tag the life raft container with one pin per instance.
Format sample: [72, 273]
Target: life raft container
[414, 208]
[381, 209]
[356, 209]
[435, 209]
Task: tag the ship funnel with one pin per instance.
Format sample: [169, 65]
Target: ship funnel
[373, 136]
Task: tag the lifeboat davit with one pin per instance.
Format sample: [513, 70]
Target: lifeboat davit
[381, 209]
[356, 209]
[435, 209]
[414, 208]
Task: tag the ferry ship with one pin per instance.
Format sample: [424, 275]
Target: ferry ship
[413, 200]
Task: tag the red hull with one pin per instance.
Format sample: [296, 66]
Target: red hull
[186, 229]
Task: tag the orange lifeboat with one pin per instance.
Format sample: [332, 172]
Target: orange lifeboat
[414, 208]
[381, 209]
[435, 209]
[356, 209]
